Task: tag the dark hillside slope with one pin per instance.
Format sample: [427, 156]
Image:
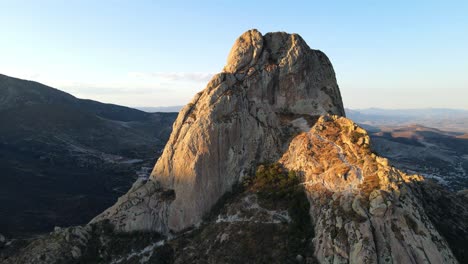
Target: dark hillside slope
[64, 159]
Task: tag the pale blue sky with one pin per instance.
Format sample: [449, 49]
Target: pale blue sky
[389, 54]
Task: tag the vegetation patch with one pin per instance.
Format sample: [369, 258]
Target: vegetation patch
[354, 137]
[279, 188]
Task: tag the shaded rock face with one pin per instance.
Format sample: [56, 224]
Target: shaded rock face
[448, 212]
[269, 89]
[364, 210]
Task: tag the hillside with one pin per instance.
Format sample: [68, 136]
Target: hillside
[64, 159]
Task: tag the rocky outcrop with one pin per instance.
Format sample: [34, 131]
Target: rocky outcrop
[63, 245]
[269, 89]
[144, 207]
[364, 210]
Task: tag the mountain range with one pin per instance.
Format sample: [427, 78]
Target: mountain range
[454, 120]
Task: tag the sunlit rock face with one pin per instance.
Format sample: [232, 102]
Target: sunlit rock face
[235, 122]
[270, 88]
[364, 210]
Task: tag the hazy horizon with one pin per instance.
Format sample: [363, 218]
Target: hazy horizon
[387, 55]
[140, 107]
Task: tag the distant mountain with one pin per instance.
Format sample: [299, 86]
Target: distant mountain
[420, 113]
[445, 119]
[168, 109]
[64, 159]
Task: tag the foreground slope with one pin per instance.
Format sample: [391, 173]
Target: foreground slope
[64, 159]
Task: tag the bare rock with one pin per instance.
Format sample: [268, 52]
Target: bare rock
[357, 207]
[386, 224]
[378, 207]
[245, 52]
[144, 207]
[76, 252]
[243, 117]
[54, 247]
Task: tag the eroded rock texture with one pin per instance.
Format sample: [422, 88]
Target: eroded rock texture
[364, 210]
[244, 116]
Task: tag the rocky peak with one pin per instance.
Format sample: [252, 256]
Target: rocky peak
[245, 52]
[295, 73]
[271, 88]
[252, 51]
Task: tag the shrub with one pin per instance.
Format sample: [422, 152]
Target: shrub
[355, 136]
[272, 182]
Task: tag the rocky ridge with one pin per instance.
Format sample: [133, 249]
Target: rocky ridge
[364, 210]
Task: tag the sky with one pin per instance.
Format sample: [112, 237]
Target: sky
[386, 54]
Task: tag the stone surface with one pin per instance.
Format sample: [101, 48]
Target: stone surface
[243, 117]
[144, 207]
[363, 209]
[63, 245]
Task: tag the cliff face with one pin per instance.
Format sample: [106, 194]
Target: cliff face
[270, 88]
